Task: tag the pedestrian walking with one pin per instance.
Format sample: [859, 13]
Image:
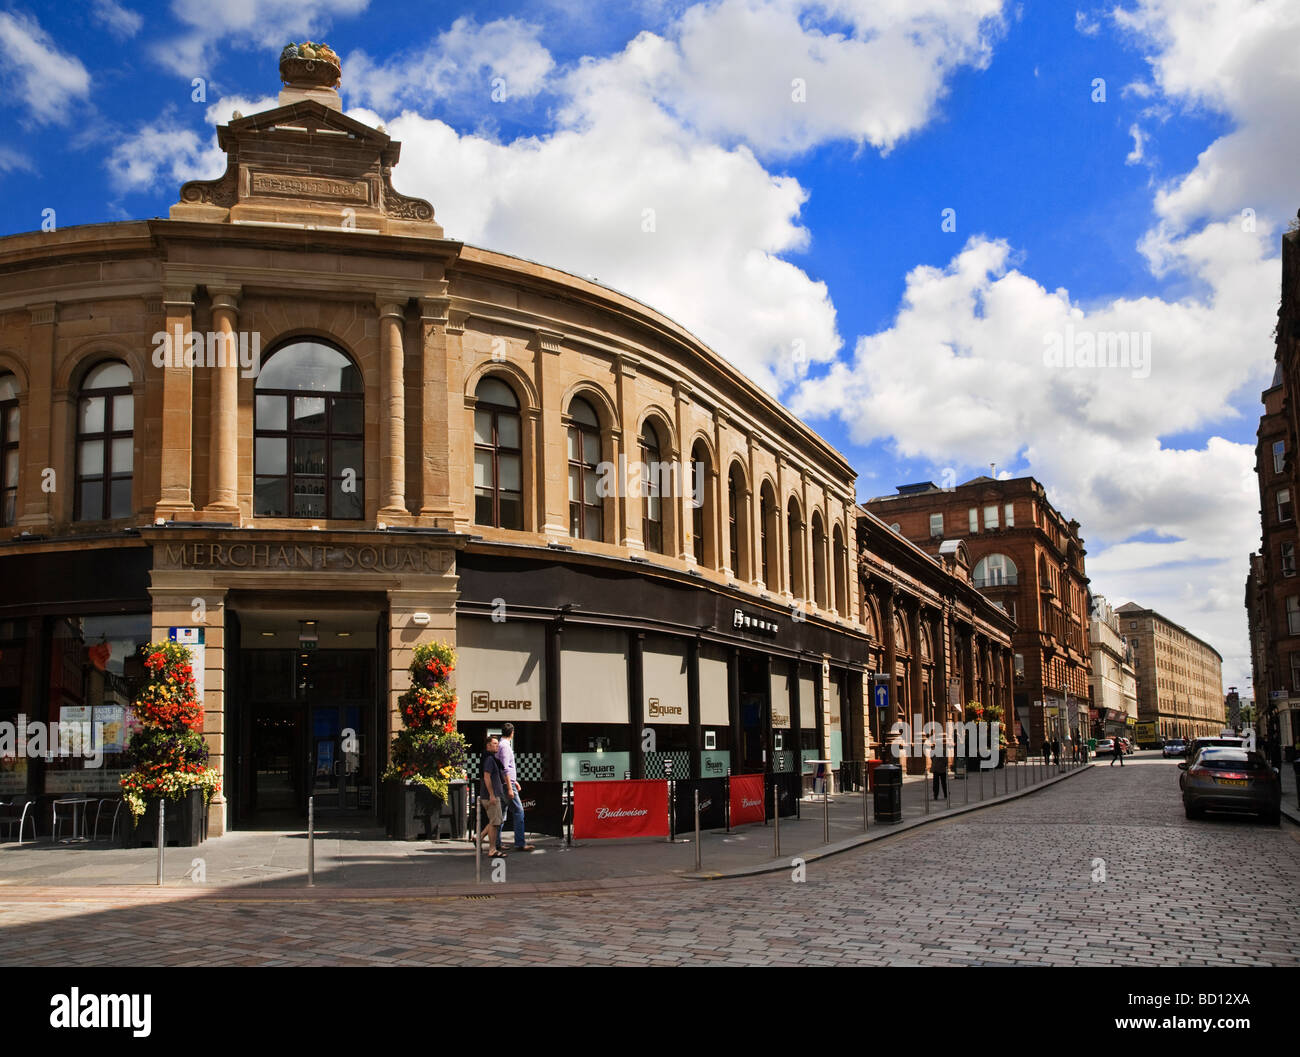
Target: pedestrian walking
[507, 756]
[1056, 751]
[1047, 752]
[494, 793]
[939, 765]
[1117, 753]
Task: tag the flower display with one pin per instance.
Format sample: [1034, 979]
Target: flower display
[167, 753]
[428, 749]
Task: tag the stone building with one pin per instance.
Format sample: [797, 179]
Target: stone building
[1029, 561]
[1179, 676]
[299, 426]
[940, 641]
[1114, 679]
[1272, 588]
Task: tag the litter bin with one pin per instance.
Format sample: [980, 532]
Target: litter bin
[888, 779]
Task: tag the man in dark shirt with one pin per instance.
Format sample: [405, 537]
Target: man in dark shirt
[493, 795]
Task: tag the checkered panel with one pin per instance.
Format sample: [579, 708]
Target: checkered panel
[654, 764]
[528, 765]
[783, 760]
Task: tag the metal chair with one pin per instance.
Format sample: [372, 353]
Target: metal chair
[12, 819]
[117, 803]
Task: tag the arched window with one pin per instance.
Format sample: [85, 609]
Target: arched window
[586, 509]
[652, 516]
[819, 560]
[701, 505]
[840, 556]
[105, 443]
[995, 570]
[794, 537]
[309, 435]
[8, 448]
[498, 456]
[738, 528]
[767, 515]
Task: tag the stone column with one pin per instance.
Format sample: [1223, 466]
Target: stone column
[223, 417]
[552, 437]
[440, 431]
[41, 421]
[176, 497]
[628, 532]
[392, 410]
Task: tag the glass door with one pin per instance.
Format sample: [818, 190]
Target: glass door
[337, 754]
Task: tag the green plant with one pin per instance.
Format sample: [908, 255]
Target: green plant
[429, 750]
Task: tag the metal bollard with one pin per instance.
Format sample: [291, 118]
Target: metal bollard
[478, 841]
[776, 823]
[965, 776]
[925, 781]
[981, 770]
[826, 813]
[162, 838]
[311, 842]
[864, 802]
[697, 831]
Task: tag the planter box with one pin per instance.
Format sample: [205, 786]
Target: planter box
[411, 812]
[185, 823]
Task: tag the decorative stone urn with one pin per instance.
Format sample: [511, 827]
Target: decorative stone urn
[310, 65]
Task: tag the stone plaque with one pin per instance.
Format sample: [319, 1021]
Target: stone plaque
[310, 187]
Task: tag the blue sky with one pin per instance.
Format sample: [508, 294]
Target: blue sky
[814, 223]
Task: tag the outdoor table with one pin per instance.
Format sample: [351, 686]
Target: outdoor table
[73, 802]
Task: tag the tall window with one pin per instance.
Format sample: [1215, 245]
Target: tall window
[974, 520]
[701, 505]
[991, 516]
[1010, 511]
[1284, 504]
[652, 518]
[1279, 455]
[733, 523]
[936, 525]
[498, 456]
[794, 536]
[1288, 559]
[8, 449]
[309, 435]
[767, 530]
[1293, 615]
[105, 443]
[586, 511]
[839, 557]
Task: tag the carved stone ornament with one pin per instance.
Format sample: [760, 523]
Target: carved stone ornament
[401, 206]
[219, 192]
[309, 63]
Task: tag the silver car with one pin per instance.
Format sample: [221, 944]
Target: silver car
[1228, 778]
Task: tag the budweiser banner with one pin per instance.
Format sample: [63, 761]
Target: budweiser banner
[620, 809]
[746, 799]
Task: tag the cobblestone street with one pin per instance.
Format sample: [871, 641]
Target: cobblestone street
[1017, 883]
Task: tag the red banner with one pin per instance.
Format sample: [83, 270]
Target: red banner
[746, 799]
[620, 809]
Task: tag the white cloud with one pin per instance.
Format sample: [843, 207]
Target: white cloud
[37, 71]
[15, 161]
[261, 24]
[467, 59]
[122, 22]
[1089, 27]
[1138, 154]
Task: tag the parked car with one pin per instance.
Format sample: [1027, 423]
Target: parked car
[1197, 744]
[1174, 748]
[1106, 746]
[1229, 778]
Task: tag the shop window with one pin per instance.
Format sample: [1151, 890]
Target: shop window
[105, 444]
[586, 509]
[8, 448]
[498, 456]
[309, 435]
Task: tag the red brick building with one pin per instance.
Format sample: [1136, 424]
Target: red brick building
[1028, 560]
[1273, 588]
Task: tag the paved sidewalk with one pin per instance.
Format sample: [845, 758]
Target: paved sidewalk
[1290, 806]
[364, 864]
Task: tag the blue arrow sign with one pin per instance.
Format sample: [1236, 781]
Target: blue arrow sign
[882, 695]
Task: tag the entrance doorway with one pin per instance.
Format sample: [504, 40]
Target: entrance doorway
[755, 712]
[305, 717]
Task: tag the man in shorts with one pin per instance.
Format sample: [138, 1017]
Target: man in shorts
[492, 796]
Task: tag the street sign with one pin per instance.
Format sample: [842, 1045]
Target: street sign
[882, 695]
